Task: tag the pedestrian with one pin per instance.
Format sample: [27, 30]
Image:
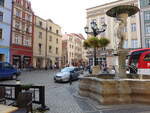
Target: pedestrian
[70, 79]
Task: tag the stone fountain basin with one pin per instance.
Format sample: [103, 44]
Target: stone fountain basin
[115, 91]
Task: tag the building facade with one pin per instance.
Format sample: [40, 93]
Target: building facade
[131, 32]
[5, 29]
[22, 34]
[39, 44]
[53, 44]
[72, 50]
[145, 22]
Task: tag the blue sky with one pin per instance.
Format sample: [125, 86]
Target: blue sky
[69, 14]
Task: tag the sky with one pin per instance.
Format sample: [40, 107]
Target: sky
[69, 14]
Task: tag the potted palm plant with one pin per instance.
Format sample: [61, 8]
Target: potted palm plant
[95, 43]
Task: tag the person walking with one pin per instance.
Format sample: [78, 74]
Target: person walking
[70, 79]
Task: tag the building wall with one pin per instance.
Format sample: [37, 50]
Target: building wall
[5, 25]
[22, 34]
[54, 40]
[39, 45]
[73, 49]
[145, 22]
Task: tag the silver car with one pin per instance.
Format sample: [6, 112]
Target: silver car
[64, 74]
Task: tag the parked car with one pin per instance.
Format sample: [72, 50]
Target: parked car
[8, 71]
[64, 74]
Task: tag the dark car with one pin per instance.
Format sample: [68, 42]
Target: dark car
[64, 74]
[8, 71]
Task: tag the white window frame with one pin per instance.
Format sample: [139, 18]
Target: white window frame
[147, 28]
[134, 43]
[147, 43]
[17, 39]
[133, 27]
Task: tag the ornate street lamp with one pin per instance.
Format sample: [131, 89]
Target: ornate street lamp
[95, 31]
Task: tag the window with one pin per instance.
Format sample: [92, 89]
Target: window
[28, 28]
[147, 28]
[144, 3]
[1, 16]
[50, 49]
[1, 2]
[147, 43]
[18, 1]
[147, 15]
[23, 26]
[18, 13]
[1, 34]
[57, 40]
[16, 39]
[50, 28]
[50, 38]
[125, 44]
[56, 50]
[57, 31]
[40, 34]
[133, 27]
[134, 44]
[17, 25]
[29, 17]
[40, 46]
[27, 42]
[40, 23]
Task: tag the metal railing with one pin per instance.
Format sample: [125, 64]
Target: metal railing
[38, 93]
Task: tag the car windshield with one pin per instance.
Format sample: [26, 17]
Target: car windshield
[67, 69]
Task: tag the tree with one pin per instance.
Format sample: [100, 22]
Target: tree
[95, 43]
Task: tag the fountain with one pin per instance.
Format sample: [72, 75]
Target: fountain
[120, 90]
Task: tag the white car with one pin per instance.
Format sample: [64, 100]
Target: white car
[65, 73]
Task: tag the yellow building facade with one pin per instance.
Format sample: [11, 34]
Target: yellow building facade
[39, 46]
[53, 45]
[131, 32]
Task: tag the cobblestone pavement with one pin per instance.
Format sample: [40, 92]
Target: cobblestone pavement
[63, 98]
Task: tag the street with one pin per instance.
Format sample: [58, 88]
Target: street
[64, 98]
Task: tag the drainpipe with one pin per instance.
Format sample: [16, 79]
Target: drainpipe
[11, 27]
[140, 24]
[46, 45]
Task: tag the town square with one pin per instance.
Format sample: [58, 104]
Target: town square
[75, 57]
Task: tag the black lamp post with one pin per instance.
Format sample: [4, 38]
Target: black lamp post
[95, 31]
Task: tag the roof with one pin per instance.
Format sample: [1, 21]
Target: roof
[140, 50]
[77, 35]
